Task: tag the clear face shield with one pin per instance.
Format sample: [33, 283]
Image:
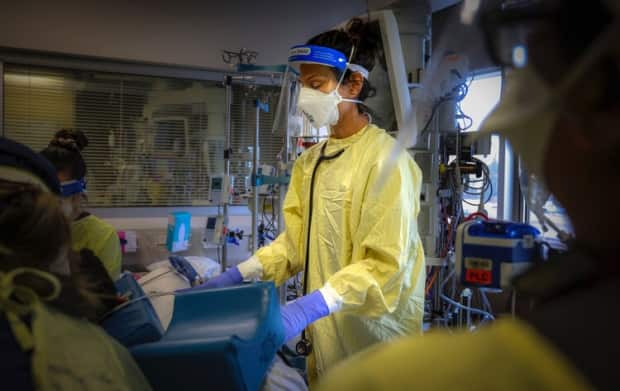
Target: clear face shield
[306, 113]
[532, 104]
[301, 134]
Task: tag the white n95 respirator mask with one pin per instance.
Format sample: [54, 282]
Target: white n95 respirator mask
[321, 108]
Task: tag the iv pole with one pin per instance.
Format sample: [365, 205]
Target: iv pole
[227, 153]
[255, 172]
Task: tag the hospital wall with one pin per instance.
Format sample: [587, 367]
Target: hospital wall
[150, 225]
[189, 33]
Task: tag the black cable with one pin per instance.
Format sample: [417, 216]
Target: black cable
[433, 112]
[458, 93]
[304, 344]
[490, 193]
[487, 187]
[470, 203]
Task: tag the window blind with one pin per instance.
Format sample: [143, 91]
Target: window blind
[152, 141]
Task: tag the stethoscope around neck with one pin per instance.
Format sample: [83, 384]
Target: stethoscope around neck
[304, 347]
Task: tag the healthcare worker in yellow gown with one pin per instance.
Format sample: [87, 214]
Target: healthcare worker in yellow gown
[357, 241]
[561, 114]
[43, 347]
[87, 230]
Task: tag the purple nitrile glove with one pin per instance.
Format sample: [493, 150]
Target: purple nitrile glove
[230, 277]
[297, 315]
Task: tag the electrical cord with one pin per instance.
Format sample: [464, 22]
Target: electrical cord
[484, 314]
[431, 282]
[485, 191]
[441, 290]
[433, 112]
[457, 94]
[269, 223]
[477, 311]
[485, 300]
[158, 276]
[452, 206]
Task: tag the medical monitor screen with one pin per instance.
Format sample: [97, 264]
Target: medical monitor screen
[216, 183]
[211, 222]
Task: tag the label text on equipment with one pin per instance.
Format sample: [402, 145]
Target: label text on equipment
[479, 271]
[477, 276]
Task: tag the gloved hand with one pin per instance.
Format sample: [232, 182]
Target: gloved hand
[230, 277]
[297, 315]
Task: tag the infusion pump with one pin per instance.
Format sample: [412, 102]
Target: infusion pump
[220, 189]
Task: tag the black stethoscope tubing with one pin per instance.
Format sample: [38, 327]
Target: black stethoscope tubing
[305, 348]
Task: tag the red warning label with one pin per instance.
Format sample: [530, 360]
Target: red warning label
[479, 276]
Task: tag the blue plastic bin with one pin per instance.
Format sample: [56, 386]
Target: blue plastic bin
[137, 322]
[221, 339]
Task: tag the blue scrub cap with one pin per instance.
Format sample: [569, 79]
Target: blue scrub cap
[19, 156]
[70, 188]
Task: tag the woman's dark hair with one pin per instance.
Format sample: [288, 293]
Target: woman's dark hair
[65, 152]
[33, 227]
[33, 232]
[365, 37]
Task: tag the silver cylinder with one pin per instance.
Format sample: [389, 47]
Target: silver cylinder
[256, 152]
[228, 85]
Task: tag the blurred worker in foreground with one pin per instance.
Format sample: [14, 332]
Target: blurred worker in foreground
[44, 348]
[561, 113]
[359, 246]
[87, 231]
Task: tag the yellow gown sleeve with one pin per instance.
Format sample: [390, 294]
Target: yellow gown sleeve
[508, 355]
[110, 254]
[101, 238]
[371, 286]
[281, 260]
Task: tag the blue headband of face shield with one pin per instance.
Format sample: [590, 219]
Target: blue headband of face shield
[70, 188]
[313, 54]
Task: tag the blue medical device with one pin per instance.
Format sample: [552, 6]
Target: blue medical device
[136, 322]
[489, 254]
[219, 339]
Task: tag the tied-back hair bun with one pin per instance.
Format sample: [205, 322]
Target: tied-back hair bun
[65, 152]
[74, 140]
[365, 37]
